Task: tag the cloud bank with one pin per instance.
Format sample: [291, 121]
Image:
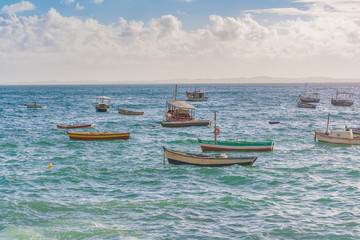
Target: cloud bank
[68, 48]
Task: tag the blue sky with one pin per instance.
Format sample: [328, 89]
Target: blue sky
[138, 40]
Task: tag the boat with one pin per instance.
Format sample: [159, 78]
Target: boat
[274, 122]
[180, 158]
[307, 96]
[355, 130]
[342, 99]
[337, 136]
[214, 145]
[35, 105]
[76, 126]
[127, 112]
[302, 104]
[196, 96]
[90, 136]
[181, 114]
[100, 105]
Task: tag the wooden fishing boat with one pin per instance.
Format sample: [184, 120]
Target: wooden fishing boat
[301, 104]
[274, 122]
[196, 96]
[210, 145]
[127, 112]
[90, 136]
[180, 158]
[35, 105]
[100, 105]
[342, 99]
[309, 96]
[181, 114]
[337, 136]
[76, 126]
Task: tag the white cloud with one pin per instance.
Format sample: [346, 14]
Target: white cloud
[79, 7]
[54, 46]
[99, 2]
[18, 7]
[68, 2]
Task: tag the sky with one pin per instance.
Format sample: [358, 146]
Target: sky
[125, 41]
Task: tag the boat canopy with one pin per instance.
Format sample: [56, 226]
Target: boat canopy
[103, 97]
[181, 104]
[310, 93]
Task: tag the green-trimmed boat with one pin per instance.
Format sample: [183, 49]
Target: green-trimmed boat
[210, 145]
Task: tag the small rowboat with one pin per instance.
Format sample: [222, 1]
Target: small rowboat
[90, 136]
[34, 106]
[274, 122]
[180, 158]
[186, 123]
[75, 126]
[210, 145]
[127, 112]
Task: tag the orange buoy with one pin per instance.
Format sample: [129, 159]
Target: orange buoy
[50, 165]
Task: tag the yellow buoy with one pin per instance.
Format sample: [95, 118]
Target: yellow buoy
[50, 165]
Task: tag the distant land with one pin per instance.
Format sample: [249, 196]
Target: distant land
[240, 80]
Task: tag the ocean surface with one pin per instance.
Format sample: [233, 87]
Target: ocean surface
[123, 190]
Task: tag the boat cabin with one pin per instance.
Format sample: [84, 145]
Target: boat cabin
[179, 111]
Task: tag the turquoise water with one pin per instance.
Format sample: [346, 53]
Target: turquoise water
[122, 190]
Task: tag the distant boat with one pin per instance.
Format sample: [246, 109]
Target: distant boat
[337, 136]
[181, 114]
[196, 96]
[100, 105]
[210, 145]
[274, 122]
[180, 158]
[90, 136]
[301, 104]
[76, 126]
[309, 96]
[342, 99]
[127, 112]
[35, 105]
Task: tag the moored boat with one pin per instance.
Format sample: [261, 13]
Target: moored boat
[181, 114]
[76, 126]
[274, 122]
[127, 112]
[214, 145]
[337, 136]
[90, 136]
[180, 158]
[301, 104]
[196, 96]
[100, 105]
[342, 99]
[35, 105]
[307, 96]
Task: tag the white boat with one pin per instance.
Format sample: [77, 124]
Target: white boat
[337, 136]
[307, 96]
[196, 96]
[302, 104]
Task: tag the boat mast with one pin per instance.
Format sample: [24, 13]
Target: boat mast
[215, 125]
[327, 126]
[102, 100]
[175, 92]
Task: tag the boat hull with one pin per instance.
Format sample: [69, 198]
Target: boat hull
[35, 106]
[345, 103]
[127, 112]
[209, 145]
[308, 99]
[75, 126]
[305, 105]
[102, 109]
[181, 158]
[322, 137]
[98, 136]
[186, 123]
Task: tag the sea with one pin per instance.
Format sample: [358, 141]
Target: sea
[125, 190]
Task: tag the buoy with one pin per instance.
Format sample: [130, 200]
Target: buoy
[50, 165]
